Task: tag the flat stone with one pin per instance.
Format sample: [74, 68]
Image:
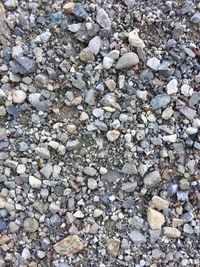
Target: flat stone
[69, 245]
[112, 246]
[47, 170]
[152, 179]
[167, 113]
[170, 138]
[153, 63]
[95, 44]
[160, 101]
[129, 168]
[112, 135]
[128, 60]
[171, 232]
[137, 237]
[13, 227]
[155, 219]
[188, 113]
[31, 225]
[159, 203]
[129, 187]
[24, 65]
[103, 19]
[72, 144]
[90, 171]
[79, 214]
[111, 176]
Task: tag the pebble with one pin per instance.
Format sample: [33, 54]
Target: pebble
[135, 40]
[72, 144]
[47, 170]
[90, 171]
[188, 113]
[153, 63]
[68, 246]
[170, 138]
[155, 219]
[2, 203]
[34, 182]
[137, 237]
[167, 113]
[79, 214]
[95, 44]
[195, 18]
[160, 101]
[3, 226]
[31, 225]
[107, 63]
[18, 96]
[13, 227]
[92, 184]
[152, 179]
[186, 90]
[43, 152]
[110, 84]
[3, 134]
[24, 65]
[113, 246]
[128, 60]
[129, 187]
[87, 55]
[159, 203]
[172, 87]
[112, 135]
[171, 232]
[40, 81]
[103, 19]
[45, 36]
[21, 168]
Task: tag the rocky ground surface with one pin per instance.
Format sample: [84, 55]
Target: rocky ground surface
[99, 133]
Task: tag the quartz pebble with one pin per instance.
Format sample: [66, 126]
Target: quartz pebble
[172, 87]
[160, 203]
[19, 96]
[103, 19]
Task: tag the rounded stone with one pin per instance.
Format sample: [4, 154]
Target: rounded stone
[92, 183]
[128, 60]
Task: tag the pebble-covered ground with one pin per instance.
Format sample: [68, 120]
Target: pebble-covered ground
[99, 133]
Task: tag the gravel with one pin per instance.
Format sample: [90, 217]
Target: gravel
[99, 133]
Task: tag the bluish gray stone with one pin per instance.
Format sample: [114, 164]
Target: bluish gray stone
[24, 65]
[160, 101]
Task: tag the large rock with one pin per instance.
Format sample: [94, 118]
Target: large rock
[128, 60]
[155, 219]
[152, 179]
[69, 245]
